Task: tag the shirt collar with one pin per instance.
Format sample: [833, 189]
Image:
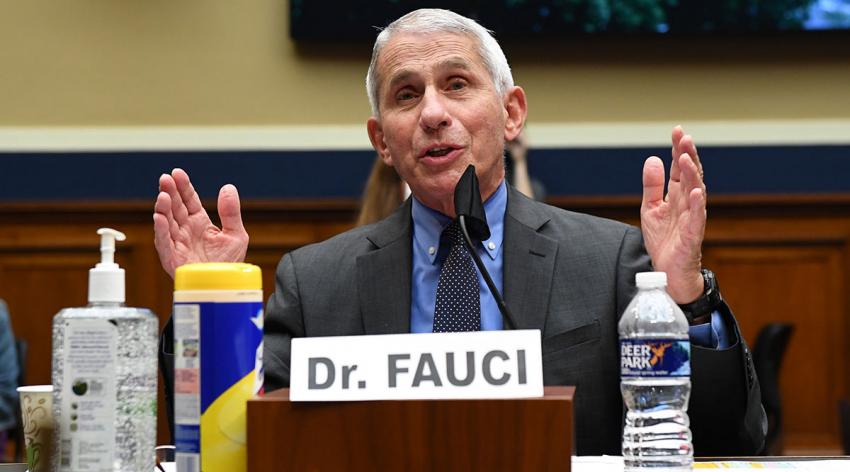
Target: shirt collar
[428, 225]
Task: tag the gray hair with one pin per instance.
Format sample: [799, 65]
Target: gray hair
[434, 20]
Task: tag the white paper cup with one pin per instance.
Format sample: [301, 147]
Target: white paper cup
[38, 424]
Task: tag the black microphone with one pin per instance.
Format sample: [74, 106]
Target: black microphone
[473, 221]
[468, 204]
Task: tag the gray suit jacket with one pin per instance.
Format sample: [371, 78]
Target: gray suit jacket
[567, 274]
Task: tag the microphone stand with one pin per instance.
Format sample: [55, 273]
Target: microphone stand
[507, 317]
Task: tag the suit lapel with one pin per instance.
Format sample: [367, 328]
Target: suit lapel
[529, 262]
[383, 275]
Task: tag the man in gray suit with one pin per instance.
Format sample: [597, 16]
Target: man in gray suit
[442, 98]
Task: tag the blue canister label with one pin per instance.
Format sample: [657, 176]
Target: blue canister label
[655, 357]
[218, 366]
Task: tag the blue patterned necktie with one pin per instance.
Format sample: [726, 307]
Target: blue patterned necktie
[458, 306]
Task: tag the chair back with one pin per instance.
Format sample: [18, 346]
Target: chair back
[844, 419]
[768, 353]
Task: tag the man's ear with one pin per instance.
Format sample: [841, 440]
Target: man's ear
[517, 109]
[376, 136]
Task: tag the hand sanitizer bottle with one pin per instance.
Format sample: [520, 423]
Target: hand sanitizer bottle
[105, 376]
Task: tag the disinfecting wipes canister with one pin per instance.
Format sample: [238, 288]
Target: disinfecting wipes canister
[218, 358]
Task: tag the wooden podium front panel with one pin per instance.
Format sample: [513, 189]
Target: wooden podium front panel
[463, 435]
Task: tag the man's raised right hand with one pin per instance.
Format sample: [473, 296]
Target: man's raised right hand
[184, 233]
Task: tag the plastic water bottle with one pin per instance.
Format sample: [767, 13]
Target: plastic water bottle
[655, 379]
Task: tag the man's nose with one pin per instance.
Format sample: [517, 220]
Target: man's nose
[434, 113]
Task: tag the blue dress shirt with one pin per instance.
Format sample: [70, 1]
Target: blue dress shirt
[428, 258]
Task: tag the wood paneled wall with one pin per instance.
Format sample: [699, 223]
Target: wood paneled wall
[777, 259]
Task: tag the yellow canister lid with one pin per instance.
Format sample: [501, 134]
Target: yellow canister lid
[218, 276]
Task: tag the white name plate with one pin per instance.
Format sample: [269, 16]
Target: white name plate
[485, 364]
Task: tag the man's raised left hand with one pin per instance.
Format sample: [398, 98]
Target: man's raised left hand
[674, 226]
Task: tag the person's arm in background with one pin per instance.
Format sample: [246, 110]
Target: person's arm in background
[8, 371]
[518, 153]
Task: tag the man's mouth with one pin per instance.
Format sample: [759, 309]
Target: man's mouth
[439, 152]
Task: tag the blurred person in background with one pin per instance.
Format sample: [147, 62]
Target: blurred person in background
[8, 378]
[384, 193]
[516, 169]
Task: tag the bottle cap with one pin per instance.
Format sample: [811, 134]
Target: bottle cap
[106, 279]
[651, 279]
[218, 276]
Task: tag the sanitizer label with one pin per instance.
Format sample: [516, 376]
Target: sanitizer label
[655, 357]
[88, 396]
[187, 385]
